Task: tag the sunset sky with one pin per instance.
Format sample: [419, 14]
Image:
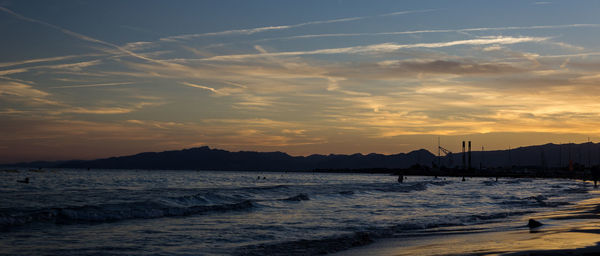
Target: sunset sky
[90, 79]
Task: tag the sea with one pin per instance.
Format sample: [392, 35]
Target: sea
[189, 212]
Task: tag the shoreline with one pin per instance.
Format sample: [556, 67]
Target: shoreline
[513, 172]
[573, 230]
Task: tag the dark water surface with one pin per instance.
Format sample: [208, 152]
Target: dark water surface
[129, 212]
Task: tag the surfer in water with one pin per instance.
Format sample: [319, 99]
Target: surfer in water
[26, 180]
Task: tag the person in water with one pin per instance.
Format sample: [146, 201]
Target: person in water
[400, 178]
[26, 180]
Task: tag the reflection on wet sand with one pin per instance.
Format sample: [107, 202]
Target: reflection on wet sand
[571, 231]
[517, 242]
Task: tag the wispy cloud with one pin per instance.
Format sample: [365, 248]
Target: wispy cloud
[201, 87]
[25, 95]
[250, 31]
[449, 67]
[98, 111]
[12, 71]
[224, 91]
[20, 90]
[74, 67]
[31, 61]
[65, 31]
[106, 110]
[388, 47]
[406, 12]
[411, 32]
[77, 66]
[82, 37]
[90, 85]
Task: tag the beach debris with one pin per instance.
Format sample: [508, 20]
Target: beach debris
[534, 223]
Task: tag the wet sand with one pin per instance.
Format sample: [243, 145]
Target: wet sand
[573, 230]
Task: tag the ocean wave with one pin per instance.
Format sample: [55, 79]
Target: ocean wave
[308, 247]
[206, 201]
[441, 183]
[299, 197]
[576, 190]
[490, 183]
[517, 180]
[269, 192]
[494, 216]
[534, 201]
[336, 243]
[113, 212]
[266, 188]
[419, 186]
[331, 244]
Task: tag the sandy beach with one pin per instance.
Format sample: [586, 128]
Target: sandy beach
[573, 230]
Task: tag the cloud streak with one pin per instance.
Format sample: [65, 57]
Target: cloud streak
[213, 90]
[20, 90]
[251, 31]
[406, 12]
[32, 61]
[82, 37]
[427, 31]
[90, 85]
[386, 47]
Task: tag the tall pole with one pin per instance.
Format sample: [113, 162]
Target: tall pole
[439, 155]
[469, 168]
[464, 164]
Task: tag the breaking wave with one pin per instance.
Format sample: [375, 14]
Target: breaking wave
[114, 212]
[336, 243]
[203, 203]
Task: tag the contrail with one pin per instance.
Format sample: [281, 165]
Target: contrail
[432, 31]
[82, 37]
[90, 85]
[250, 31]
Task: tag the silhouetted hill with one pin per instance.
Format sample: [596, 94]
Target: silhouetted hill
[205, 158]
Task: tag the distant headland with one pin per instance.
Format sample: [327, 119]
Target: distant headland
[539, 158]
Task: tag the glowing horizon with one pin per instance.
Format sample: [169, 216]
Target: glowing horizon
[83, 80]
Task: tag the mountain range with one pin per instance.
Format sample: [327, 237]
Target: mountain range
[205, 158]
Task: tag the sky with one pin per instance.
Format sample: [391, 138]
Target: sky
[92, 79]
